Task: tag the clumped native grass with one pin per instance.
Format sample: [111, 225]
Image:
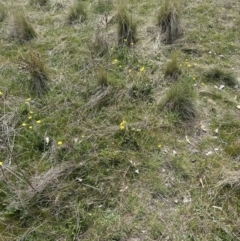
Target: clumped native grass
[126, 28]
[39, 81]
[76, 13]
[172, 68]
[20, 28]
[40, 3]
[103, 6]
[99, 45]
[216, 74]
[180, 99]
[102, 77]
[3, 12]
[168, 20]
[98, 154]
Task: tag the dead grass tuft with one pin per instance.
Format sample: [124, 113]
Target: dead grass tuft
[230, 179]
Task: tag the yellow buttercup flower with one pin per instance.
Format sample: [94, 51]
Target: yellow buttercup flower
[159, 145]
[142, 69]
[24, 124]
[30, 117]
[60, 143]
[38, 121]
[115, 61]
[1, 164]
[30, 127]
[122, 125]
[1, 93]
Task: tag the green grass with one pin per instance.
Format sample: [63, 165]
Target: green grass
[106, 139]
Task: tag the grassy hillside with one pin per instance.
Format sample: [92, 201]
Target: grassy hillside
[119, 120]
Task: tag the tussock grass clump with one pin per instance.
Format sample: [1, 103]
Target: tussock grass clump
[168, 20]
[3, 12]
[20, 29]
[103, 6]
[76, 13]
[215, 74]
[126, 28]
[39, 81]
[102, 77]
[40, 3]
[180, 99]
[172, 68]
[231, 179]
[99, 45]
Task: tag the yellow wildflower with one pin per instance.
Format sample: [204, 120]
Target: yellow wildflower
[1, 93]
[31, 112]
[159, 145]
[38, 121]
[60, 143]
[30, 117]
[115, 61]
[122, 125]
[132, 43]
[1, 164]
[194, 78]
[28, 99]
[142, 69]
[189, 65]
[125, 40]
[30, 127]
[24, 124]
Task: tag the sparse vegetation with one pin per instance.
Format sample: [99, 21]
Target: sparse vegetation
[20, 28]
[168, 20]
[108, 134]
[126, 28]
[76, 13]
